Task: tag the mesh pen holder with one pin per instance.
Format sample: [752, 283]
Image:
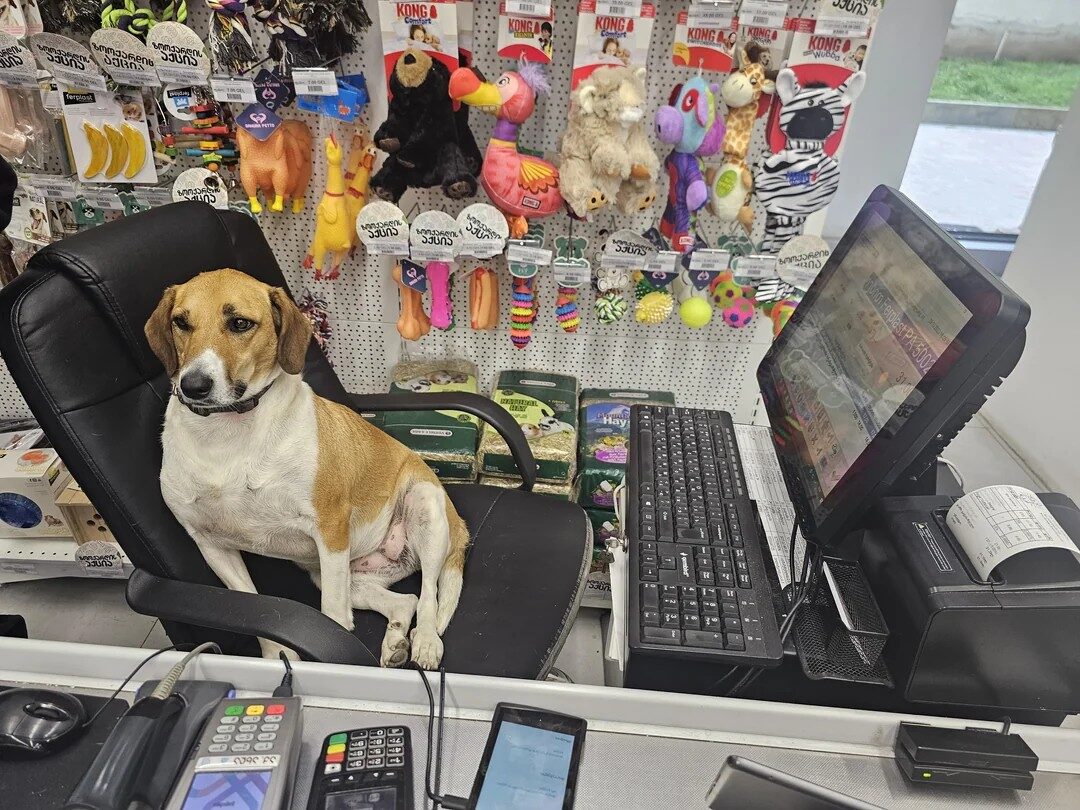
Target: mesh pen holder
[842, 640]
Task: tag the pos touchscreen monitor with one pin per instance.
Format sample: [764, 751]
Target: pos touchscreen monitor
[896, 345]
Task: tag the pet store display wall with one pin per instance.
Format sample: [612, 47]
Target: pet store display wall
[713, 366]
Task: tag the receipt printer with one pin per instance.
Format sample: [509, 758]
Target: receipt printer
[1010, 642]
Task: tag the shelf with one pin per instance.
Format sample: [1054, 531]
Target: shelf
[44, 558]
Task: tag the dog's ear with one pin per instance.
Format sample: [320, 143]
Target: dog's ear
[293, 331]
[159, 332]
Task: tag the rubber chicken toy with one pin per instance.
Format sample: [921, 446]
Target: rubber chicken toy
[334, 231]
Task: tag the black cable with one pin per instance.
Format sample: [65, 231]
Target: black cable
[284, 689]
[447, 802]
[134, 672]
[431, 725]
[438, 734]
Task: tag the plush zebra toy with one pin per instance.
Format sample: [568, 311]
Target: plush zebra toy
[802, 178]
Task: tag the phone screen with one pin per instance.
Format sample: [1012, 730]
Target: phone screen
[528, 770]
[367, 799]
[227, 790]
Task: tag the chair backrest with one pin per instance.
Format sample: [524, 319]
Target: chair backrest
[71, 332]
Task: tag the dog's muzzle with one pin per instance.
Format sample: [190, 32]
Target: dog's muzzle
[241, 406]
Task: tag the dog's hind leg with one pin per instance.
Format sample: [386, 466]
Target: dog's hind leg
[334, 571]
[369, 592]
[453, 569]
[427, 535]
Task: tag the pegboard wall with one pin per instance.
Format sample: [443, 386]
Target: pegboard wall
[709, 367]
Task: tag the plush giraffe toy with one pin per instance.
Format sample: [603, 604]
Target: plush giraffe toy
[334, 230]
[730, 185]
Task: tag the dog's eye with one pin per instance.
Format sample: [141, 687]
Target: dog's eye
[181, 323]
[239, 325]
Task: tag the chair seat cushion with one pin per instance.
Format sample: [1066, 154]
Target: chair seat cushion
[524, 576]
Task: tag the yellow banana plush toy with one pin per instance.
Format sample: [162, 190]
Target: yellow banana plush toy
[99, 150]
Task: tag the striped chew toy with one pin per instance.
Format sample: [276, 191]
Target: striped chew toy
[523, 312]
[126, 16]
[566, 311]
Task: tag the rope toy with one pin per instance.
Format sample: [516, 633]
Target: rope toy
[172, 11]
[566, 309]
[290, 45]
[315, 310]
[126, 16]
[523, 312]
[82, 16]
[610, 308]
[334, 25]
[230, 35]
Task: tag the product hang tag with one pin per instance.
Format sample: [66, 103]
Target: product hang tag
[710, 15]
[618, 8]
[202, 185]
[414, 276]
[702, 279]
[571, 272]
[179, 54]
[125, 58]
[712, 259]
[661, 269]
[763, 13]
[314, 82]
[382, 228]
[434, 237]
[626, 250]
[528, 8]
[68, 61]
[152, 196]
[272, 91]
[842, 25]
[17, 65]
[53, 186]
[100, 558]
[104, 198]
[258, 121]
[755, 267]
[519, 252]
[484, 231]
[801, 259]
[233, 90]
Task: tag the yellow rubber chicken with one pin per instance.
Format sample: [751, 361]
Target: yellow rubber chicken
[358, 173]
[334, 230]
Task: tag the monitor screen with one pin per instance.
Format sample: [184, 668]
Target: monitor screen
[895, 345]
[851, 369]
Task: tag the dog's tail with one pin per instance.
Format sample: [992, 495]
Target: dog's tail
[451, 575]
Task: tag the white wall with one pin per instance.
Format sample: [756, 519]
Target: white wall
[1037, 407]
[901, 66]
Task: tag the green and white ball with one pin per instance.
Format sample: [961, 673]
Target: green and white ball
[610, 307]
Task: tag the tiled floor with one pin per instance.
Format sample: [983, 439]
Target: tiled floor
[94, 611]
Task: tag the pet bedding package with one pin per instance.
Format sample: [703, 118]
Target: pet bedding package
[545, 405]
[446, 440]
[30, 482]
[604, 425]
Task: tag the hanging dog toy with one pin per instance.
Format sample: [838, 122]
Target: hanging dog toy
[126, 16]
[566, 309]
[334, 233]
[316, 312]
[230, 35]
[333, 25]
[290, 46]
[483, 299]
[413, 322]
[523, 312]
[81, 16]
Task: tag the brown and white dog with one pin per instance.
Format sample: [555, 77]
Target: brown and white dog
[255, 461]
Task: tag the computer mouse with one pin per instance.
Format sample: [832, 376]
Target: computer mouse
[37, 722]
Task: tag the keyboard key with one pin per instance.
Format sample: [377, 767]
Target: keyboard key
[649, 573]
[696, 535]
[661, 635]
[711, 623]
[712, 608]
[673, 590]
[732, 625]
[717, 534]
[729, 594]
[669, 603]
[648, 558]
[691, 621]
[667, 562]
[744, 582]
[650, 618]
[705, 577]
[734, 641]
[704, 638]
[669, 619]
[725, 579]
[650, 596]
[731, 609]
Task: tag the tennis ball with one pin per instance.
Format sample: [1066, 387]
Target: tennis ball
[695, 312]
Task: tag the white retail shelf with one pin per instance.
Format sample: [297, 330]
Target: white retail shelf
[43, 558]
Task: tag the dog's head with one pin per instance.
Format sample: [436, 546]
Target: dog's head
[224, 333]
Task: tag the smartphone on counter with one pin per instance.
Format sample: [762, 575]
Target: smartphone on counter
[530, 760]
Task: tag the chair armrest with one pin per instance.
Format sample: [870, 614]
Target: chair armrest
[313, 635]
[495, 415]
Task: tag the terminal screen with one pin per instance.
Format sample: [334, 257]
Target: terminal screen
[850, 368]
[529, 769]
[227, 790]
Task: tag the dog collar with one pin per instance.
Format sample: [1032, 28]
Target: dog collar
[242, 406]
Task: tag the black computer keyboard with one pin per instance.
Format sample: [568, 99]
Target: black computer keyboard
[698, 587]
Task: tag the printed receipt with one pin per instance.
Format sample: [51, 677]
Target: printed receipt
[994, 523]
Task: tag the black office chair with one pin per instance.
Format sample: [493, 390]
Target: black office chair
[72, 336]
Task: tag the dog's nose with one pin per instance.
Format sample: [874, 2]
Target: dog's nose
[409, 59]
[196, 385]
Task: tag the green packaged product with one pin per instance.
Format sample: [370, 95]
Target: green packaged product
[563, 492]
[446, 440]
[604, 425]
[604, 524]
[545, 405]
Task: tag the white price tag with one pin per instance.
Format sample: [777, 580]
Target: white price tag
[527, 254]
[53, 186]
[763, 13]
[314, 82]
[710, 15]
[431, 253]
[154, 195]
[755, 268]
[388, 247]
[529, 8]
[842, 26]
[662, 262]
[618, 8]
[234, 89]
[571, 273]
[105, 198]
[100, 558]
[709, 259]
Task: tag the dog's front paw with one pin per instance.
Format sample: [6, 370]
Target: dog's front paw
[395, 649]
[270, 649]
[427, 648]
